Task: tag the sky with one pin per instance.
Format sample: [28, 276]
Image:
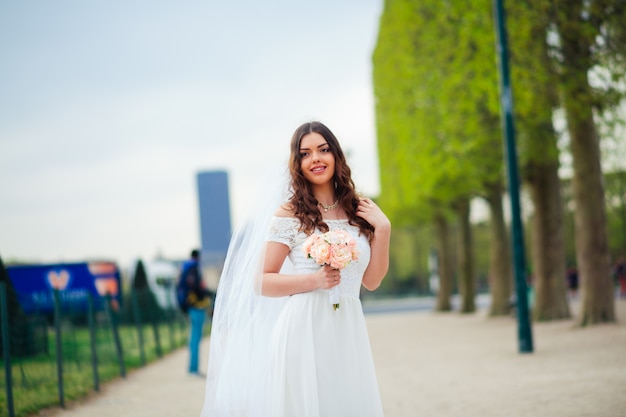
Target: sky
[108, 110]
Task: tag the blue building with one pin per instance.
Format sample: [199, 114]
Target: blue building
[215, 222]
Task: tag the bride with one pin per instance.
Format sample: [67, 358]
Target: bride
[279, 345]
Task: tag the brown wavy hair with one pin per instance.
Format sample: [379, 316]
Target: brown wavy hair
[302, 201]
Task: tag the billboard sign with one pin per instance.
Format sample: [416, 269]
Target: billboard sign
[34, 284]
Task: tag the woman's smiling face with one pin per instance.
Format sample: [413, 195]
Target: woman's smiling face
[318, 161]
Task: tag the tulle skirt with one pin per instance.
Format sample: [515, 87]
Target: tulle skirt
[320, 360]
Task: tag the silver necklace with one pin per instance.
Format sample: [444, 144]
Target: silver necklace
[326, 208]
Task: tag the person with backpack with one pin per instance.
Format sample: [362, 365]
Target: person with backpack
[194, 299]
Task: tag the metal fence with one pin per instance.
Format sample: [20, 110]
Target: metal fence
[51, 358]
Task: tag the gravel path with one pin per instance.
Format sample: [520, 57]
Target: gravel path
[434, 365]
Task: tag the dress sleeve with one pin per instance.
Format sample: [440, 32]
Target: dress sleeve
[283, 230]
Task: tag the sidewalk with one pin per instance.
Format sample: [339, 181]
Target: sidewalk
[434, 365]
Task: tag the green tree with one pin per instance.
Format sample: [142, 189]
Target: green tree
[437, 120]
[145, 298]
[534, 85]
[591, 34]
[499, 275]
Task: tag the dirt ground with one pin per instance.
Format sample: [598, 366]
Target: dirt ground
[453, 365]
[431, 365]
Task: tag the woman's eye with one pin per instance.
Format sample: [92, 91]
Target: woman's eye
[326, 150]
[303, 154]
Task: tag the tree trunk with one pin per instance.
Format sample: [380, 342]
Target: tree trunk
[500, 272]
[444, 260]
[539, 87]
[592, 249]
[547, 248]
[467, 287]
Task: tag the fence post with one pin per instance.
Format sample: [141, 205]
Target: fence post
[116, 335]
[157, 338]
[137, 315]
[6, 348]
[170, 315]
[59, 344]
[92, 341]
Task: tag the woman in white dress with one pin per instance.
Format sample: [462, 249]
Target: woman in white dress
[303, 357]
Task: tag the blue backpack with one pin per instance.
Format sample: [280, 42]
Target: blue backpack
[182, 286]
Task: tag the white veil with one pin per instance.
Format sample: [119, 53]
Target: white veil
[238, 365]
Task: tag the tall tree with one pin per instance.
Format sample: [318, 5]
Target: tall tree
[499, 276]
[407, 149]
[534, 85]
[467, 278]
[590, 34]
[437, 113]
[444, 267]
[146, 299]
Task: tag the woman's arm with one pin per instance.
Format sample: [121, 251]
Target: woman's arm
[379, 260]
[276, 284]
[279, 285]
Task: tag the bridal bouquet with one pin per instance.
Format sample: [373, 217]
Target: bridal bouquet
[335, 248]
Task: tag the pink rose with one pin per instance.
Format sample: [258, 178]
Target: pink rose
[309, 243]
[337, 237]
[320, 252]
[354, 249]
[340, 256]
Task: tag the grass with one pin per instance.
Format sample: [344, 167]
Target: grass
[34, 379]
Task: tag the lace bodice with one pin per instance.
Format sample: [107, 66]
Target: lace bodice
[285, 230]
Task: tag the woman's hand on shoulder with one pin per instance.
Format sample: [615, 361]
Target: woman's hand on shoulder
[379, 259]
[370, 211]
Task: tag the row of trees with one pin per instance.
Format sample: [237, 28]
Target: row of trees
[440, 141]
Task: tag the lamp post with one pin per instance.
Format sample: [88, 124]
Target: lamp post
[517, 232]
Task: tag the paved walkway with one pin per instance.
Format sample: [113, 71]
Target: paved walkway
[431, 365]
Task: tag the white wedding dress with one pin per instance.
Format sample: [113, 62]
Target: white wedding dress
[320, 360]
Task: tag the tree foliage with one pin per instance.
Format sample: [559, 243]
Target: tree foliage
[438, 129]
[436, 105]
[589, 35]
[535, 88]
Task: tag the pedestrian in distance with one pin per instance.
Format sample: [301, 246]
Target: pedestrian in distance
[572, 282]
[619, 272]
[194, 300]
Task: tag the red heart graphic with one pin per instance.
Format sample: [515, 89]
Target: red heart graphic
[59, 279]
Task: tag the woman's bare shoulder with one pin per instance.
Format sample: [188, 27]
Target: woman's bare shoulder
[286, 210]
